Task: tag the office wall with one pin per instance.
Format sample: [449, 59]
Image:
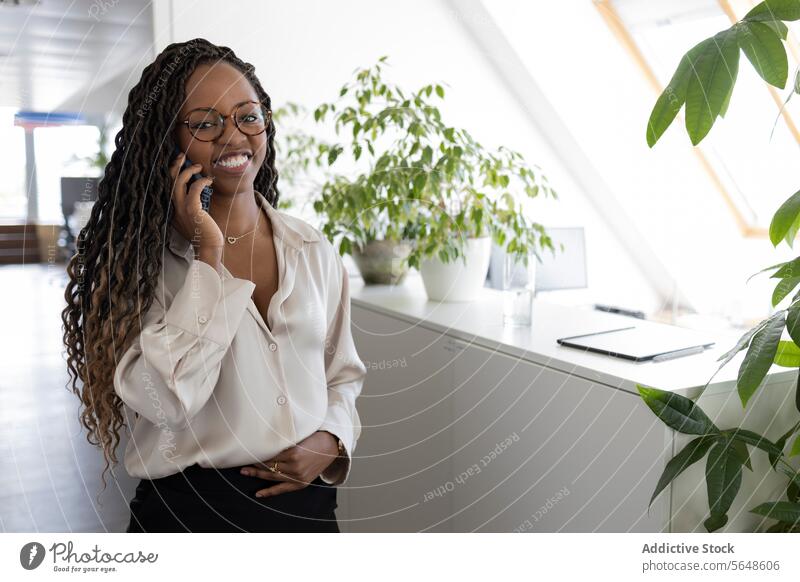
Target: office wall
[304, 51]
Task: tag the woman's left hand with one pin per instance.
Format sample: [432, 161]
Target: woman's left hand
[298, 465]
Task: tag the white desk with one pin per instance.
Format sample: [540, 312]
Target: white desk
[469, 425]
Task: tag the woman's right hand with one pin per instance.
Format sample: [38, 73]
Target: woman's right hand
[194, 223]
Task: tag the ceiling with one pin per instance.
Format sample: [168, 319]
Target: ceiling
[73, 55]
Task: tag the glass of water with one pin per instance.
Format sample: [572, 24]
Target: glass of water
[519, 289]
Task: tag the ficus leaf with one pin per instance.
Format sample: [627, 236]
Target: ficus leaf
[788, 354]
[793, 322]
[779, 27]
[783, 219]
[774, 456]
[753, 439]
[788, 269]
[690, 454]
[741, 451]
[783, 288]
[723, 480]
[726, 102]
[671, 100]
[780, 510]
[764, 50]
[775, 10]
[676, 411]
[715, 521]
[795, 450]
[759, 358]
[713, 74]
[791, 234]
[767, 269]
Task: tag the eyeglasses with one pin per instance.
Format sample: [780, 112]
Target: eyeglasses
[207, 124]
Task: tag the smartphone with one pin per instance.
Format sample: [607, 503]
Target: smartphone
[205, 195]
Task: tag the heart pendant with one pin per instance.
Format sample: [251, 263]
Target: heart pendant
[231, 239]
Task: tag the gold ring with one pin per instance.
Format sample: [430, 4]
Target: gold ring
[275, 467]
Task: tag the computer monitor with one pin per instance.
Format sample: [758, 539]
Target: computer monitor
[81, 189]
[565, 270]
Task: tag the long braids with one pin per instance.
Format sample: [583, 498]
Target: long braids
[114, 274]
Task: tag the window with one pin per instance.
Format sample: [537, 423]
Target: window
[756, 169]
[62, 151]
[13, 197]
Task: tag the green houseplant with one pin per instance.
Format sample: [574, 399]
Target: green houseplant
[298, 155]
[418, 184]
[704, 82]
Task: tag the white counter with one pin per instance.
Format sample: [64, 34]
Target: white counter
[481, 322]
[448, 382]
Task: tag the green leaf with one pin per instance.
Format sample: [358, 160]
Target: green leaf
[715, 522]
[788, 354]
[792, 232]
[793, 492]
[787, 269]
[763, 47]
[440, 91]
[784, 218]
[768, 269]
[754, 439]
[740, 448]
[676, 411]
[674, 95]
[726, 102]
[334, 153]
[797, 394]
[759, 358]
[779, 27]
[743, 342]
[783, 288]
[723, 480]
[713, 74]
[793, 322]
[795, 450]
[345, 246]
[780, 443]
[691, 453]
[775, 10]
[780, 510]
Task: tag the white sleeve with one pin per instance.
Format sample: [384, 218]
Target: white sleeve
[170, 370]
[345, 373]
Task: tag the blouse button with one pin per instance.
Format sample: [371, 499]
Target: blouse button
[281, 399]
[202, 319]
[273, 346]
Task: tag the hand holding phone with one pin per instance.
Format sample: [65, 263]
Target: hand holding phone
[205, 194]
[191, 219]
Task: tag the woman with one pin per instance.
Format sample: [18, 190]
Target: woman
[225, 332]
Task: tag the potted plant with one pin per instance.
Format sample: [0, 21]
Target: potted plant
[704, 82]
[421, 193]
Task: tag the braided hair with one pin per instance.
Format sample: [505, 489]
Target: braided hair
[114, 273]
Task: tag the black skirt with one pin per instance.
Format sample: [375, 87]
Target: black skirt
[223, 500]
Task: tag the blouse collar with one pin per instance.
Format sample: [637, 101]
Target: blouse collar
[288, 229]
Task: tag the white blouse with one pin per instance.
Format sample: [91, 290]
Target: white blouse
[214, 384]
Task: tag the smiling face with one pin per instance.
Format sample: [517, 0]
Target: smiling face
[223, 87]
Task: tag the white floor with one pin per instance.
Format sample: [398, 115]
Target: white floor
[49, 473]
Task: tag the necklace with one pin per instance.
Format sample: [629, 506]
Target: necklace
[233, 239]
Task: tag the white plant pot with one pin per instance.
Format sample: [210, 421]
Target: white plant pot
[456, 281]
